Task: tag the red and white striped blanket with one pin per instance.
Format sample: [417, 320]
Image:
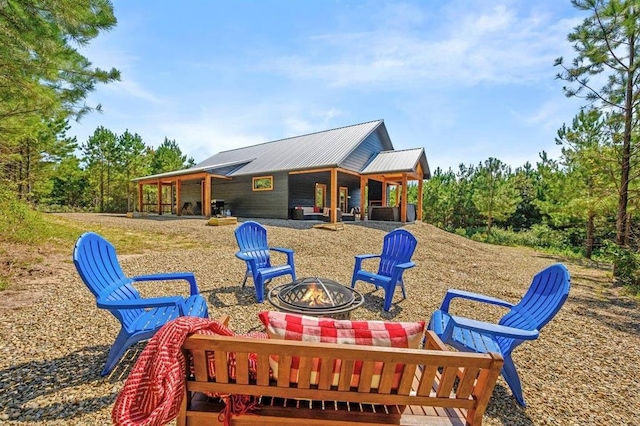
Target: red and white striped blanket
[153, 392]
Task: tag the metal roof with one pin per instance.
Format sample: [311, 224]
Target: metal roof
[315, 150]
[397, 162]
[328, 148]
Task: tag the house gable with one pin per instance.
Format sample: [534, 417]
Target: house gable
[377, 141]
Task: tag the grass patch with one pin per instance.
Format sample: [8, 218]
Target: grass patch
[29, 235]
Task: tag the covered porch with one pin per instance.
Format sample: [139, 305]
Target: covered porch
[178, 193]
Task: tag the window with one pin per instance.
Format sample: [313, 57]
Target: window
[343, 202]
[263, 183]
[321, 190]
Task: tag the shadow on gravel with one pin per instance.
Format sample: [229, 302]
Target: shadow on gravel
[44, 390]
[504, 408]
[244, 296]
[374, 301]
[620, 314]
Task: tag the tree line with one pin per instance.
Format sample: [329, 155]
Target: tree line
[587, 198]
[44, 82]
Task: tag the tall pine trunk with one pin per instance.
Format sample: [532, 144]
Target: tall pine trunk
[623, 199]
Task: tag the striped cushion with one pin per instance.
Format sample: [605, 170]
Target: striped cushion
[368, 333]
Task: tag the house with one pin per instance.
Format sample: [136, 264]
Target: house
[347, 168]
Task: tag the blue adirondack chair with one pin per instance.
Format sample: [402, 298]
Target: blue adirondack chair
[546, 295]
[397, 248]
[96, 262]
[252, 241]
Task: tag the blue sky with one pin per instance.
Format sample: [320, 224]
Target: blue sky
[465, 79]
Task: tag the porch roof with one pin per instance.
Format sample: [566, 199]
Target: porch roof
[403, 161]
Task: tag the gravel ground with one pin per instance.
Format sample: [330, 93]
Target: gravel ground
[582, 370]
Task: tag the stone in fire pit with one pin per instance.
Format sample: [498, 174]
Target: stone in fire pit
[320, 297]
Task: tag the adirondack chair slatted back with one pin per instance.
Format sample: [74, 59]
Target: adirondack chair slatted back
[398, 247]
[96, 261]
[542, 301]
[252, 240]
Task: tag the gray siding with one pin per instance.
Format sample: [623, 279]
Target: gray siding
[244, 202]
[363, 154]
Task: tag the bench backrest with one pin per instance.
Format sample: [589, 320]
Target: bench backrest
[427, 379]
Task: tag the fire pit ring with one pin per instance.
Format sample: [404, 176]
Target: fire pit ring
[315, 296]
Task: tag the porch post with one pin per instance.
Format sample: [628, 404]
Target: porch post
[179, 197]
[403, 202]
[419, 209]
[159, 197]
[140, 201]
[384, 193]
[206, 203]
[334, 195]
[363, 187]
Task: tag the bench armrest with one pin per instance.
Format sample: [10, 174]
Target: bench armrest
[493, 329]
[170, 276]
[453, 293]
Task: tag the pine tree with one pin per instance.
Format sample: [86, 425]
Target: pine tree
[607, 42]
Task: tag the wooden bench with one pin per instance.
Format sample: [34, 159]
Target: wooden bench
[437, 386]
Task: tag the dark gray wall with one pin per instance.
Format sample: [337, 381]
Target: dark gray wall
[375, 190]
[302, 188]
[244, 202]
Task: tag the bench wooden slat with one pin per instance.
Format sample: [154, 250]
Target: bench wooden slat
[263, 369]
[326, 373]
[406, 381]
[467, 382]
[346, 371]
[284, 370]
[242, 368]
[222, 371]
[446, 383]
[426, 380]
[387, 376]
[200, 365]
[304, 377]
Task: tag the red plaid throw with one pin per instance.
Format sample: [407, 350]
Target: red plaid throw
[153, 392]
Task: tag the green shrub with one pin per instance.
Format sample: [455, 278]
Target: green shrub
[626, 265]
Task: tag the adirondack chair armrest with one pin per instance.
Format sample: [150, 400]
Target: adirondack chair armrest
[361, 257]
[170, 276]
[250, 261]
[154, 302]
[281, 250]
[452, 293]
[287, 251]
[492, 329]
[405, 265]
[243, 256]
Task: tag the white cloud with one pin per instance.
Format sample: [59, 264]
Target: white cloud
[463, 47]
[133, 89]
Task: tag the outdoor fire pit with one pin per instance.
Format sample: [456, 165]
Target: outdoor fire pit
[320, 297]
